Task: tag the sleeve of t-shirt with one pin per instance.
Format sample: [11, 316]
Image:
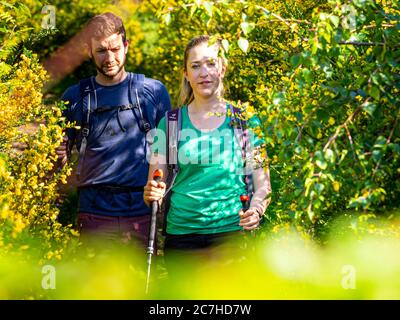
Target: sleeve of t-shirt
[163, 101]
[159, 145]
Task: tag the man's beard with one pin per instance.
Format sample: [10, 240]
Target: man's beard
[109, 75]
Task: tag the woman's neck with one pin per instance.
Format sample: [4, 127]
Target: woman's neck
[201, 105]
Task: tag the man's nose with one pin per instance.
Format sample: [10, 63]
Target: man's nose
[109, 56]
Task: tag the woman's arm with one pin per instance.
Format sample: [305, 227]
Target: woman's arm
[260, 200]
[262, 190]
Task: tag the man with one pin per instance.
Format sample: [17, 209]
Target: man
[114, 112]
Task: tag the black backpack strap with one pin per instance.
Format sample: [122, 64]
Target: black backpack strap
[173, 127]
[136, 98]
[87, 90]
[240, 129]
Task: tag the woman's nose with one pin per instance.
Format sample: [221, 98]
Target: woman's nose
[203, 71]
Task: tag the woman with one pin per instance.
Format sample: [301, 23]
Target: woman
[205, 207]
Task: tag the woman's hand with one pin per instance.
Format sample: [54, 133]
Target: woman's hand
[250, 219]
[153, 191]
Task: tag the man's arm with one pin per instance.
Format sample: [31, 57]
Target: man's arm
[63, 151]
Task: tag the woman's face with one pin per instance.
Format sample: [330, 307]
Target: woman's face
[204, 70]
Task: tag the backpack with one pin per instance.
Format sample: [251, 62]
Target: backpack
[173, 128]
[88, 92]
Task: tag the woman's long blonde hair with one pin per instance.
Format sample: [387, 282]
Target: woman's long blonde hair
[186, 92]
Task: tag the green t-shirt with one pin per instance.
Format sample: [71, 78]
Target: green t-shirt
[205, 197]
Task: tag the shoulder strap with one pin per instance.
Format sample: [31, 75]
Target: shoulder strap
[240, 129]
[136, 97]
[173, 126]
[86, 88]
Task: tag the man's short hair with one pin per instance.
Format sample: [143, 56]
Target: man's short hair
[105, 25]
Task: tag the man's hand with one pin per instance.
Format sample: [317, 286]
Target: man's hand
[62, 152]
[153, 191]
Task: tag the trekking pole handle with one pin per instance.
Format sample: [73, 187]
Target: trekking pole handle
[157, 176]
[244, 199]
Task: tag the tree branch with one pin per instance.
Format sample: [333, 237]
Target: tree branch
[351, 142]
[366, 44]
[348, 120]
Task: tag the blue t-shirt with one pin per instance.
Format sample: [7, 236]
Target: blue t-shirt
[117, 149]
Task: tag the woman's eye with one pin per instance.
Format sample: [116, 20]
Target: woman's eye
[195, 66]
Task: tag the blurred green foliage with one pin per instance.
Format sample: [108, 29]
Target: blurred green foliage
[362, 264]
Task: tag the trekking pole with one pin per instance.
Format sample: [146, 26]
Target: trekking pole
[157, 176]
[245, 200]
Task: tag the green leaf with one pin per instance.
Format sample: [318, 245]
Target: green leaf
[319, 187]
[369, 107]
[278, 98]
[380, 142]
[307, 75]
[322, 164]
[296, 60]
[246, 27]
[6, 4]
[209, 8]
[395, 147]
[376, 155]
[225, 45]
[299, 116]
[320, 160]
[375, 93]
[330, 155]
[335, 20]
[243, 44]
[167, 18]
[193, 9]
[311, 214]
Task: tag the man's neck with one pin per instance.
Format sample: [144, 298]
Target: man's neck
[106, 81]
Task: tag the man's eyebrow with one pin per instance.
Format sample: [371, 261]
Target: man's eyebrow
[106, 47]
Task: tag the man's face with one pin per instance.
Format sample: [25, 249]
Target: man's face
[109, 54]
